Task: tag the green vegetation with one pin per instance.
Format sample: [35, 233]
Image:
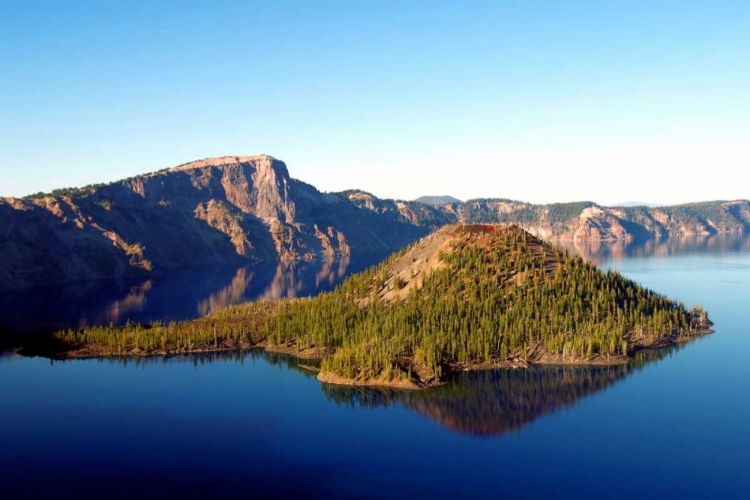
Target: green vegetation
[700, 213]
[560, 213]
[69, 191]
[89, 189]
[233, 327]
[501, 296]
[481, 211]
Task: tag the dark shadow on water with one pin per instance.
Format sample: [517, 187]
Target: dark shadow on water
[497, 402]
[478, 403]
[179, 296]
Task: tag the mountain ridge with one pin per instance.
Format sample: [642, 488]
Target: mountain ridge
[239, 209]
[228, 210]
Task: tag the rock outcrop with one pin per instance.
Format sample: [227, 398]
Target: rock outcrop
[221, 210]
[579, 221]
[587, 221]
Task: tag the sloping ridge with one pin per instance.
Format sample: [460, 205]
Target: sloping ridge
[229, 210]
[409, 270]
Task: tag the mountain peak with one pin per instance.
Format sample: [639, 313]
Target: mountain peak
[224, 160]
[438, 200]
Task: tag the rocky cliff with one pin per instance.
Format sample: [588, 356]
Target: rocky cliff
[588, 221]
[220, 210]
[579, 221]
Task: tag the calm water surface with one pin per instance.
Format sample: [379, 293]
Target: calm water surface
[184, 295]
[670, 424]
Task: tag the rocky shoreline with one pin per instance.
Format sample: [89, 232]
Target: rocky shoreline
[92, 352]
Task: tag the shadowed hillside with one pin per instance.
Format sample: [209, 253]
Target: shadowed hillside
[222, 210]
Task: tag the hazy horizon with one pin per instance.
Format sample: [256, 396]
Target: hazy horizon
[539, 102]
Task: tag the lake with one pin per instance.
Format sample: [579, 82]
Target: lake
[672, 423]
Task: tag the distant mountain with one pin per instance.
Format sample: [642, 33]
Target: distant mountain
[438, 200]
[589, 221]
[636, 204]
[236, 209]
[575, 221]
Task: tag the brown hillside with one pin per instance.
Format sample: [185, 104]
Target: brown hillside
[424, 257]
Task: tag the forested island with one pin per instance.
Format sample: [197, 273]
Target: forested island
[464, 297]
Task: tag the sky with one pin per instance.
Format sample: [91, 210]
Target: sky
[537, 101]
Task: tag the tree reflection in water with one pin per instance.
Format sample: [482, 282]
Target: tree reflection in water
[479, 403]
[496, 402]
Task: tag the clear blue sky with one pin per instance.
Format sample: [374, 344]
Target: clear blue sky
[541, 101]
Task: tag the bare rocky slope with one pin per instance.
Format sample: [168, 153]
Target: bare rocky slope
[220, 210]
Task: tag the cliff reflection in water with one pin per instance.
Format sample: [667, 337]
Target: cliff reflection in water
[290, 280]
[496, 402]
[173, 297]
[599, 251]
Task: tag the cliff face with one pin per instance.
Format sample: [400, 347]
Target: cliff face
[587, 221]
[580, 221]
[410, 212]
[222, 210]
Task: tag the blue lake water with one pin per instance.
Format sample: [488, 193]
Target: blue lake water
[671, 424]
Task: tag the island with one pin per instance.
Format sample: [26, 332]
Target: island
[465, 297]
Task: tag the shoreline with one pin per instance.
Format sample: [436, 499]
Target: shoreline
[313, 354]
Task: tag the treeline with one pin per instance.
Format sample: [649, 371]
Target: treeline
[482, 211]
[89, 189]
[506, 299]
[712, 213]
[69, 191]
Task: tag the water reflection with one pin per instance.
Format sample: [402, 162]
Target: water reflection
[481, 403]
[303, 278]
[233, 293]
[201, 359]
[496, 402]
[599, 251]
[174, 297]
[135, 300]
